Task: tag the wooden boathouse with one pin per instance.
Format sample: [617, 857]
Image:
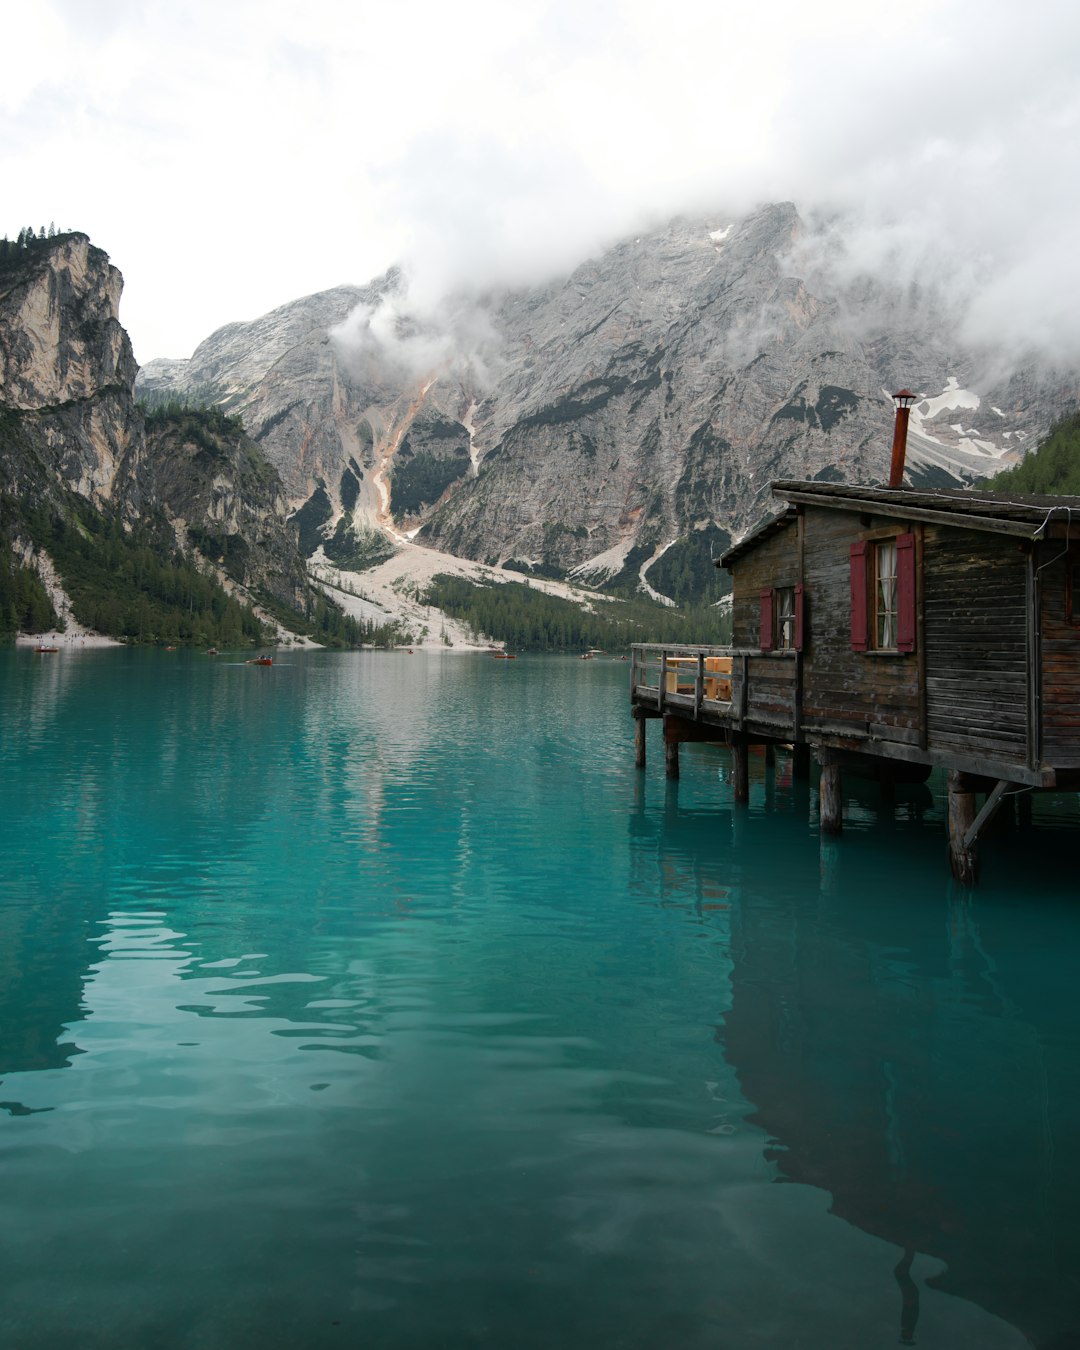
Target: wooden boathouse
[889, 631]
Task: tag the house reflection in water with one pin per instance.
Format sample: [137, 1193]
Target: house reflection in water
[912, 1067]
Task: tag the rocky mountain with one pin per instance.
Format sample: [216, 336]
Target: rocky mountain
[67, 374]
[617, 426]
[75, 446]
[225, 501]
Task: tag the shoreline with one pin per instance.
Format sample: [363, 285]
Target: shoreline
[78, 639]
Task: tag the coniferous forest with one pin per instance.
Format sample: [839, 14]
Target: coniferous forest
[531, 620]
[1054, 468]
[139, 587]
[24, 602]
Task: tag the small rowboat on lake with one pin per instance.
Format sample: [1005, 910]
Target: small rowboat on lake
[261, 661]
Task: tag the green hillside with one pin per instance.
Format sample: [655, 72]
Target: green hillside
[1054, 468]
[530, 620]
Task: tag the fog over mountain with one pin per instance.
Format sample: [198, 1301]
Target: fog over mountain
[620, 424]
[280, 152]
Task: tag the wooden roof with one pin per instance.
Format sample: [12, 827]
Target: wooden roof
[974, 507]
[1021, 514]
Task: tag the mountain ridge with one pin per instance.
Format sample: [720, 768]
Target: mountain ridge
[169, 531]
[609, 419]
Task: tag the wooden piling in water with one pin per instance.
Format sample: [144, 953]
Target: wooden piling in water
[740, 768]
[671, 758]
[963, 860]
[640, 721]
[831, 802]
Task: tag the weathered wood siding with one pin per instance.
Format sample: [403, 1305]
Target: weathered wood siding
[975, 630]
[771, 692]
[774, 562]
[861, 694]
[967, 692]
[1060, 659]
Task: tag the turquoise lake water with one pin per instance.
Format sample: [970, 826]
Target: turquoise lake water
[378, 1001]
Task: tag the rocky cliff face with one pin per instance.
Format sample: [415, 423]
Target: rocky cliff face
[224, 500]
[61, 338]
[71, 429]
[623, 423]
[67, 372]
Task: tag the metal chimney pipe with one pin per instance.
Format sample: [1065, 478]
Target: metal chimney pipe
[904, 401]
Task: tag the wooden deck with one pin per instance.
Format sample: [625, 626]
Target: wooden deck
[729, 688]
[765, 696]
[740, 696]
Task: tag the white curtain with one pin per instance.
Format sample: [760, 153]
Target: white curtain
[886, 595]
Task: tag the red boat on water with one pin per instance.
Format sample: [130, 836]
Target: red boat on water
[504, 656]
[41, 648]
[261, 661]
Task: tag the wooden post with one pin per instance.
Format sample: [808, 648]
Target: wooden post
[671, 758]
[770, 754]
[800, 761]
[740, 768]
[639, 738]
[830, 801]
[962, 857]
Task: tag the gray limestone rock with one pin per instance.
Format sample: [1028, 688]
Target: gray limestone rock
[631, 409]
[71, 429]
[67, 372]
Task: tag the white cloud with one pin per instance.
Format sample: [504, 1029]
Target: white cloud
[231, 157]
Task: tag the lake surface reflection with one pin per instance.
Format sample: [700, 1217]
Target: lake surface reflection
[374, 999]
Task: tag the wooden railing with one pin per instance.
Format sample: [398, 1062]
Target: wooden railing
[730, 684]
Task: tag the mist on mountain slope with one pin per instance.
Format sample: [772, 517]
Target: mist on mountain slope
[488, 148]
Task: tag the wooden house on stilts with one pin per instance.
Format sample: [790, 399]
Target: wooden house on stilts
[891, 631]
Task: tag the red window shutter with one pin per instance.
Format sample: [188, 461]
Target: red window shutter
[905, 593]
[800, 617]
[765, 637]
[859, 637]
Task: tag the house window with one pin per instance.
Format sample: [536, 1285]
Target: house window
[784, 610]
[883, 594]
[782, 619]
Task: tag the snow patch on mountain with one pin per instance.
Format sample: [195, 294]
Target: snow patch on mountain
[962, 454]
[604, 565]
[656, 595]
[950, 399]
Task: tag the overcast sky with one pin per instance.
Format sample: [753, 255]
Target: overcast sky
[231, 156]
